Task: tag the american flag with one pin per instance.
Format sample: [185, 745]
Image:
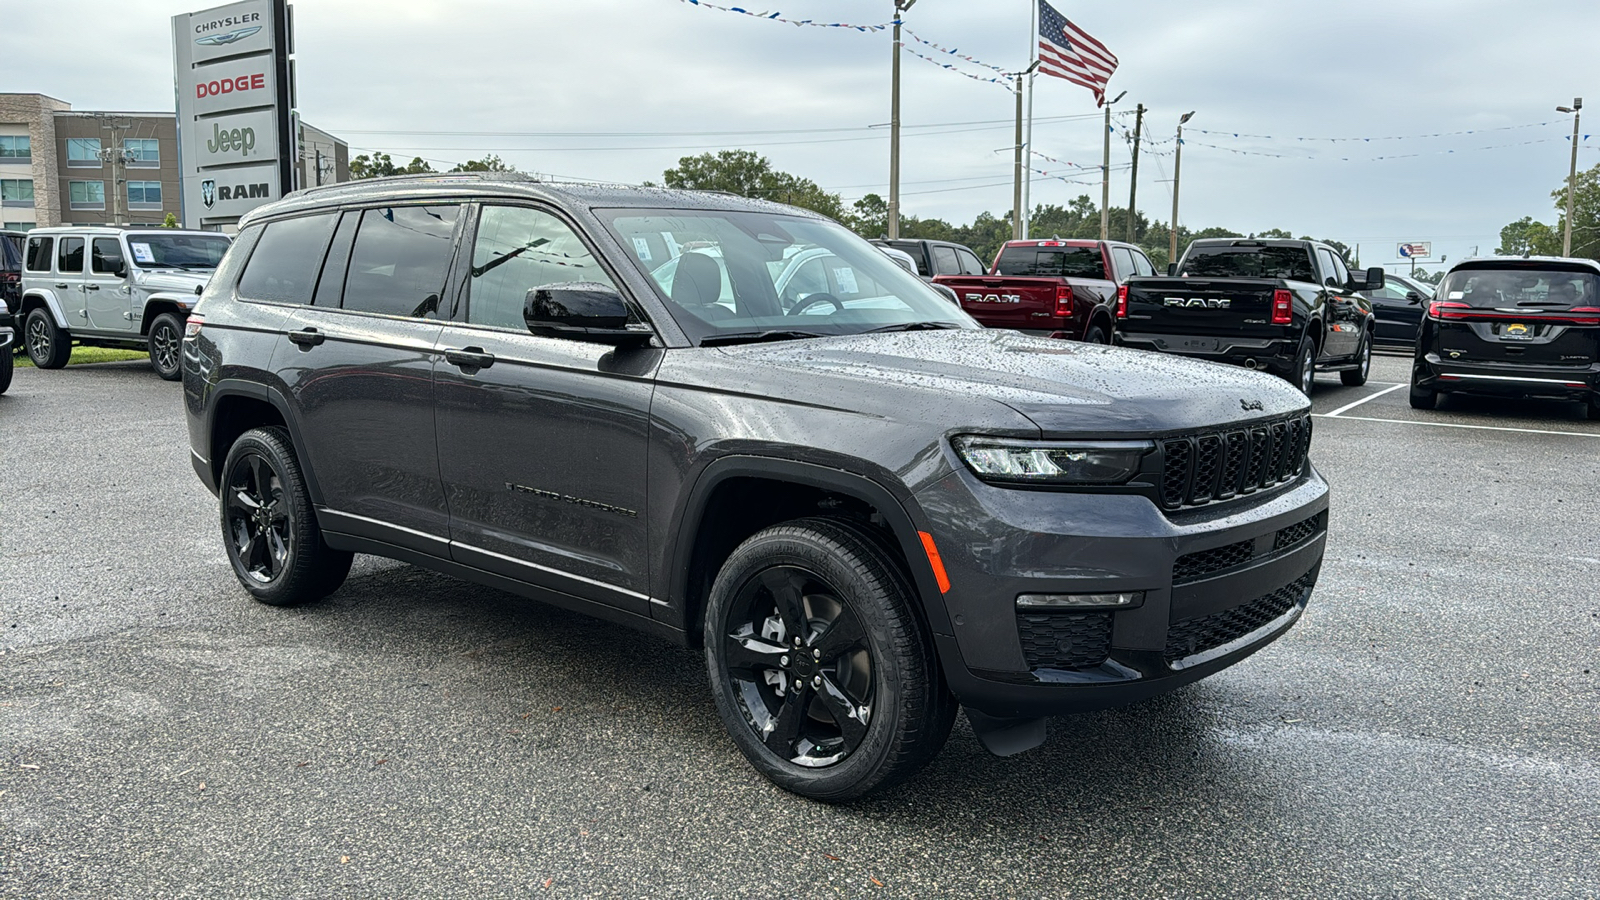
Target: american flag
[1067, 51]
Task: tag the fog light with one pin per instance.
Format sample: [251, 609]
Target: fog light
[1125, 600]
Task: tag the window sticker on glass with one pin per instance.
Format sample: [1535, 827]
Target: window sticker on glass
[642, 247]
[846, 277]
[141, 252]
[1457, 295]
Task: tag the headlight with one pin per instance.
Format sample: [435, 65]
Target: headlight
[1052, 462]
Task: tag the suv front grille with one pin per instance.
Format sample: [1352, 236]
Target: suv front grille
[1205, 563]
[1065, 640]
[1197, 635]
[1203, 468]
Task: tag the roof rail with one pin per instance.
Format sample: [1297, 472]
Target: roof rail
[425, 178]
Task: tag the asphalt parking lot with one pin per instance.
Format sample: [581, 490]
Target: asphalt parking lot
[1430, 728]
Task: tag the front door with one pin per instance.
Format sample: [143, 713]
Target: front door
[106, 293]
[542, 440]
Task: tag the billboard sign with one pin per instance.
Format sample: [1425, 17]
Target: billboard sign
[231, 71]
[1416, 250]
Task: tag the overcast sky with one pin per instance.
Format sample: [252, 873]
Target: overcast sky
[615, 90]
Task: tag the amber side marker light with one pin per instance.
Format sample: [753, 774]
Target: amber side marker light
[934, 561]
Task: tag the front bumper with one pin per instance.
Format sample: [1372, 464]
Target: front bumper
[1275, 355]
[1219, 583]
[1508, 379]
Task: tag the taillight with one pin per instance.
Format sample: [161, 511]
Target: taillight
[191, 328]
[1441, 309]
[1063, 301]
[1282, 307]
[1122, 302]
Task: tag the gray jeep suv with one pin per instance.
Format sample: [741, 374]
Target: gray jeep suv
[866, 509]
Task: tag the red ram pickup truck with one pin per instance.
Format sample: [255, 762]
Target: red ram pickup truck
[1056, 288]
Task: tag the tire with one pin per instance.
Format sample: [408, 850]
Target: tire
[1096, 335]
[1304, 374]
[268, 526]
[1593, 406]
[1422, 398]
[869, 651]
[1358, 377]
[48, 346]
[166, 346]
[6, 365]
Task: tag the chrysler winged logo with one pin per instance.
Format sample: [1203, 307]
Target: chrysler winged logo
[1197, 302]
[994, 298]
[208, 193]
[216, 40]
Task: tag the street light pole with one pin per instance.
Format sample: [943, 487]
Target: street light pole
[1572, 173]
[1133, 178]
[1105, 174]
[1177, 170]
[900, 6]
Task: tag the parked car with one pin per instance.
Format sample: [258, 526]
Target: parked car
[1398, 307]
[936, 257]
[1287, 307]
[8, 337]
[11, 269]
[1052, 288]
[113, 287]
[1512, 327]
[864, 513]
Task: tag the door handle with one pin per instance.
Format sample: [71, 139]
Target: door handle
[469, 358]
[91, 287]
[306, 338]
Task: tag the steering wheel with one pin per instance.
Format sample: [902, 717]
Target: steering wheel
[811, 300]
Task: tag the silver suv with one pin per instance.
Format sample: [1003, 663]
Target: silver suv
[113, 287]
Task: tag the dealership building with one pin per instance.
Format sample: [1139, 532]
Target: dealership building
[60, 166]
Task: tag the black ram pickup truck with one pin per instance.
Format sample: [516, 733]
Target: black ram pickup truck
[1287, 307]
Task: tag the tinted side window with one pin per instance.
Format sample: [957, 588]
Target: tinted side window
[969, 263]
[1325, 263]
[105, 256]
[518, 249]
[39, 251]
[283, 268]
[1141, 264]
[70, 257]
[944, 261]
[1340, 270]
[1124, 262]
[398, 265]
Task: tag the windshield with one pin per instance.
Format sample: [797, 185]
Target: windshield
[1490, 288]
[1229, 261]
[734, 275]
[1060, 262]
[153, 250]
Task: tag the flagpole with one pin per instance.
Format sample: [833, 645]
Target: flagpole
[1027, 184]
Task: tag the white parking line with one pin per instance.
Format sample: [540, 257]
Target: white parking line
[1585, 434]
[1349, 406]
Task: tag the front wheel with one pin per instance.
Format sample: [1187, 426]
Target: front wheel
[821, 670]
[1358, 376]
[166, 346]
[269, 527]
[48, 346]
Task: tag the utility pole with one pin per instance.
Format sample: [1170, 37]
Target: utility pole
[1027, 175]
[115, 156]
[900, 7]
[1133, 188]
[1019, 218]
[1177, 170]
[1572, 173]
[1105, 175]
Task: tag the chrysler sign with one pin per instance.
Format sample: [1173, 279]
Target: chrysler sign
[231, 68]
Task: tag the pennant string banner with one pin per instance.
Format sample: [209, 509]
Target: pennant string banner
[1237, 151]
[1398, 137]
[1003, 82]
[779, 17]
[957, 54]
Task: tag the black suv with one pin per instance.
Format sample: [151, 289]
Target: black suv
[1508, 326]
[738, 426]
[11, 269]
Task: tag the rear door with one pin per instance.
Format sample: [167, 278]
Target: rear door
[71, 258]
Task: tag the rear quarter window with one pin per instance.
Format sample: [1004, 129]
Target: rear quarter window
[283, 268]
[40, 249]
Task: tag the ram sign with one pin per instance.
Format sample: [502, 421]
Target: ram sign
[234, 109]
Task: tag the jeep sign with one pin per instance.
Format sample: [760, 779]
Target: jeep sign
[234, 118]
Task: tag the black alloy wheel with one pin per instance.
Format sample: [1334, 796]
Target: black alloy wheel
[166, 346]
[268, 526]
[48, 346]
[821, 670]
[1358, 376]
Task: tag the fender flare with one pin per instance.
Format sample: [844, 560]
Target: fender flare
[238, 387]
[182, 303]
[902, 516]
[48, 299]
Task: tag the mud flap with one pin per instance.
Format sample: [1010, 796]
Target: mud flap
[1006, 737]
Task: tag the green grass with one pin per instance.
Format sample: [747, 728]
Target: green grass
[84, 355]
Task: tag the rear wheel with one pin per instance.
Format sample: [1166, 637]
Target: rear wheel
[1593, 407]
[1422, 398]
[1304, 373]
[166, 346]
[48, 346]
[6, 364]
[821, 670]
[268, 526]
[1358, 376]
[1096, 335]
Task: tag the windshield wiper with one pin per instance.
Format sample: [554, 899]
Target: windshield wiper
[913, 326]
[755, 337]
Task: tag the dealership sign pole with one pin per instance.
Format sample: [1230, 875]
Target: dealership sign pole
[236, 143]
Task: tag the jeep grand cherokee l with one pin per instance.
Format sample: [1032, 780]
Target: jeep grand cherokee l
[866, 509]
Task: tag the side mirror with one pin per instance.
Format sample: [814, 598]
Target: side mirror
[1374, 279]
[1413, 297]
[581, 311]
[1172, 269]
[948, 292]
[119, 268]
